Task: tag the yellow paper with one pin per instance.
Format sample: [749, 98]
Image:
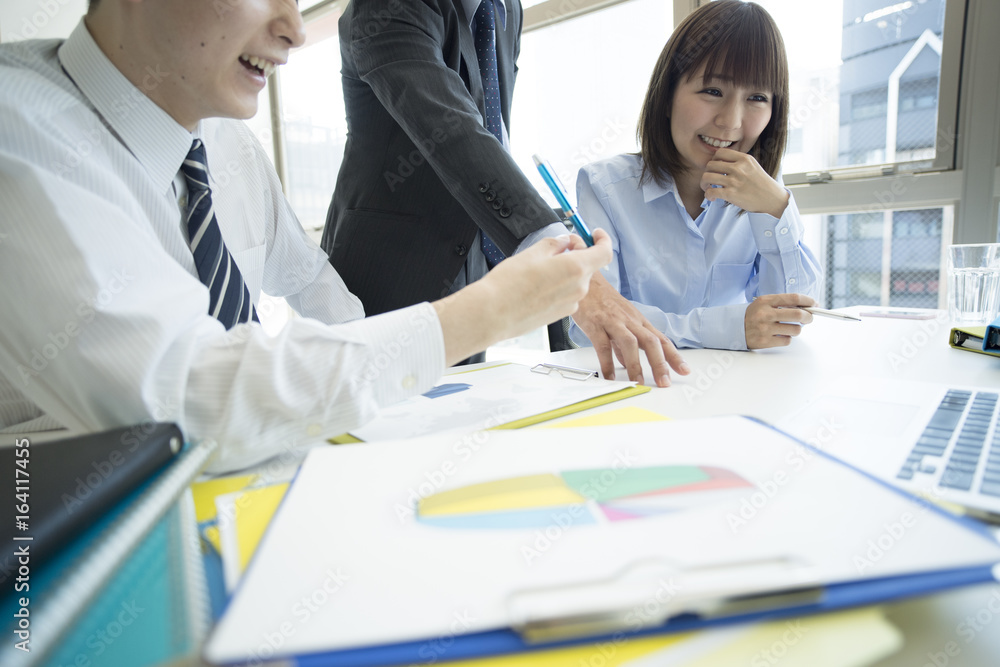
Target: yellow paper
[844, 639]
[211, 533]
[606, 653]
[254, 510]
[205, 492]
[629, 415]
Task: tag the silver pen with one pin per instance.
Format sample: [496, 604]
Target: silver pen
[829, 313]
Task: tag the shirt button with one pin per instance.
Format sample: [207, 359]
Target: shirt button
[409, 382]
[184, 202]
[791, 281]
[461, 250]
[784, 230]
[314, 430]
[768, 234]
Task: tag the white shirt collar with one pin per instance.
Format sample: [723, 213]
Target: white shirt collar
[472, 6]
[157, 141]
[652, 190]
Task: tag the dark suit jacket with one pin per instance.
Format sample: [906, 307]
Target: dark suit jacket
[420, 172]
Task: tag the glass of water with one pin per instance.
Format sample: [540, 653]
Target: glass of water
[973, 283]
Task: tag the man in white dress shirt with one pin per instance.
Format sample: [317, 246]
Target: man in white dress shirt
[105, 318]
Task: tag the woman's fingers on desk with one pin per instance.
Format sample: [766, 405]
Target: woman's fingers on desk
[774, 319]
[659, 350]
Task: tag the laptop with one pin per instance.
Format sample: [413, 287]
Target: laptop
[940, 442]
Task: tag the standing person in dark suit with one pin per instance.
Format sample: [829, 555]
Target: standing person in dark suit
[427, 191]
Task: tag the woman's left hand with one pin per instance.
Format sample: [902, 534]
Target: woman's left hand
[744, 183]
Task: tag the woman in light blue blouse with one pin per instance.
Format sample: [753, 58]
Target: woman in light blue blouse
[708, 244]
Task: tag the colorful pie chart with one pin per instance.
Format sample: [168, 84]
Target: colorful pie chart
[579, 497]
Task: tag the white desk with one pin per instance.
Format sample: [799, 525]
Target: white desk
[769, 384]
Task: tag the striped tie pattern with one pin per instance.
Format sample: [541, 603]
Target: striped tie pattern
[486, 53]
[230, 300]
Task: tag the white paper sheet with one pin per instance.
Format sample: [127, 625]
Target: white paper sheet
[482, 399]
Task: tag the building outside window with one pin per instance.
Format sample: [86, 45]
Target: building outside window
[874, 65]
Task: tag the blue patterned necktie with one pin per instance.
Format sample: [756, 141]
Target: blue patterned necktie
[230, 300]
[486, 52]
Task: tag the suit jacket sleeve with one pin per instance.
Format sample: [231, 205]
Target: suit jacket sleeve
[398, 49]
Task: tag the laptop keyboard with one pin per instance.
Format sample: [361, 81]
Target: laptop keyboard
[973, 416]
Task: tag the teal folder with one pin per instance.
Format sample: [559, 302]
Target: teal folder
[129, 591]
[991, 341]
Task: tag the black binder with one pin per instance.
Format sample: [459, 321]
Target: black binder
[59, 488]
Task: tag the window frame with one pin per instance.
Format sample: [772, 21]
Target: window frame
[320, 22]
[964, 174]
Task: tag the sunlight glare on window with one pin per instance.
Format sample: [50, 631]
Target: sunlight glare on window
[580, 87]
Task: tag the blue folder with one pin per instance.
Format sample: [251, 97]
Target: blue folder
[499, 642]
[991, 341]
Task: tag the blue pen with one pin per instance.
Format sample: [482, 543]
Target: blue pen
[551, 180]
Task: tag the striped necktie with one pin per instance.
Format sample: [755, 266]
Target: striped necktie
[486, 53]
[230, 300]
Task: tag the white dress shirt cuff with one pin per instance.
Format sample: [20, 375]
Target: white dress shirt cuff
[723, 327]
[549, 232]
[326, 381]
[780, 239]
[408, 354]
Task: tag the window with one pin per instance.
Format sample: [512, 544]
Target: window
[580, 85]
[309, 147]
[866, 96]
[868, 105]
[890, 258]
[876, 65]
[315, 130]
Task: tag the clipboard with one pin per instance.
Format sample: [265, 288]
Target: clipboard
[975, 339]
[501, 396]
[556, 606]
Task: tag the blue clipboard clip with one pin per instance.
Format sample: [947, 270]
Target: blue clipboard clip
[551, 180]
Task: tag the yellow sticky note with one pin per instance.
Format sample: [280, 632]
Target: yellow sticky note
[254, 510]
[502, 495]
[629, 415]
[607, 653]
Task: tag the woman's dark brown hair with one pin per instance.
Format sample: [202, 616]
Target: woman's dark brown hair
[734, 40]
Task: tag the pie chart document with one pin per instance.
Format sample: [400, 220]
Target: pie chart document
[459, 533]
